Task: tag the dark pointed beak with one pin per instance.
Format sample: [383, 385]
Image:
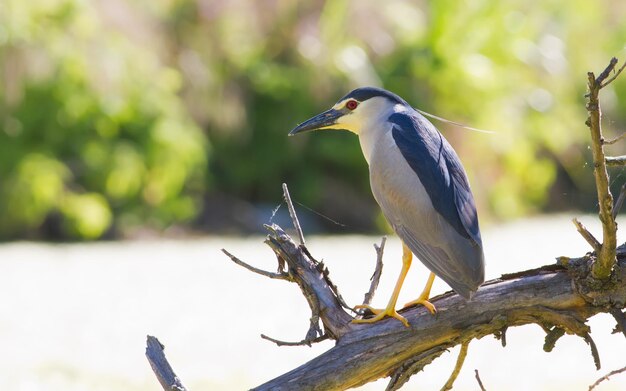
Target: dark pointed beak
[320, 121]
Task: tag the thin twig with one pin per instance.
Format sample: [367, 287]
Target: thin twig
[276, 276]
[614, 140]
[607, 376]
[315, 330]
[312, 278]
[614, 76]
[378, 271]
[615, 161]
[292, 213]
[605, 73]
[304, 342]
[457, 368]
[552, 336]
[620, 201]
[594, 350]
[161, 367]
[588, 236]
[480, 383]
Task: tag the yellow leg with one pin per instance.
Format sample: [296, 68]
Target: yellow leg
[390, 310]
[423, 298]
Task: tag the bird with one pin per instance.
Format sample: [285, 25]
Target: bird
[418, 181]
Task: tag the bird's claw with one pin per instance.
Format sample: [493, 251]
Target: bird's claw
[429, 306]
[380, 314]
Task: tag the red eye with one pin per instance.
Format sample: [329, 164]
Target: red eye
[352, 104]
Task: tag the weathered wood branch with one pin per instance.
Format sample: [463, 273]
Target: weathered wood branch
[588, 236]
[312, 278]
[480, 382]
[606, 256]
[615, 139]
[378, 271]
[161, 367]
[457, 367]
[555, 297]
[615, 161]
[606, 377]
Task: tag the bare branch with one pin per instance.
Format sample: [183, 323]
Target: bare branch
[588, 236]
[594, 350]
[161, 367]
[457, 368]
[551, 337]
[312, 278]
[607, 376]
[604, 84]
[606, 256]
[614, 140]
[615, 161]
[276, 276]
[605, 73]
[292, 213]
[480, 383]
[378, 271]
[304, 342]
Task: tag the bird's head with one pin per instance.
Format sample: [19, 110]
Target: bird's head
[353, 111]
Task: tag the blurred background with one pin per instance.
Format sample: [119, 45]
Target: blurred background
[121, 117]
[159, 130]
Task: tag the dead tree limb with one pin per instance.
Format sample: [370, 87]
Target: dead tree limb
[615, 139]
[480, 382]
[161, 367]
[615, 161]
[292, 213]
[606, 377]
[378, 271]
[457, 368]
[588, 236]
[606, 256]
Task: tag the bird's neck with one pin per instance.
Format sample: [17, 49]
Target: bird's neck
[369, 137]
[371, 132]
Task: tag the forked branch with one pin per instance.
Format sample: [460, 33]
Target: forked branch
[606, 254]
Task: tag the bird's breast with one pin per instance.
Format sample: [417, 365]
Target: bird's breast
[395, 183]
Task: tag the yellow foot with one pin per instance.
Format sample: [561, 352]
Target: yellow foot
[429, 306]
[380, 314]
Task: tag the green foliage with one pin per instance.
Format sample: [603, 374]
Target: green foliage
[94, 131]
[102, 103]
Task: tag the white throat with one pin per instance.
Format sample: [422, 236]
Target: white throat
[375, 127]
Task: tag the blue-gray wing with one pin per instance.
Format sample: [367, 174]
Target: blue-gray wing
[439, 169]
[447, 239]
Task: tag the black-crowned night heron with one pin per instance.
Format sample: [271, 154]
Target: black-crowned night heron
[420, 185]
